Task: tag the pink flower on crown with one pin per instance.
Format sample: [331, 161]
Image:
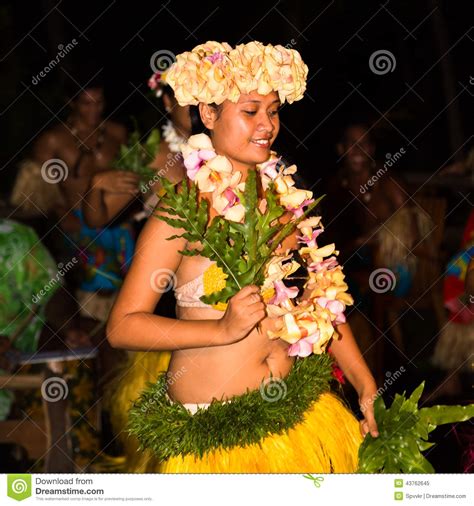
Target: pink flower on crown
[215, 57]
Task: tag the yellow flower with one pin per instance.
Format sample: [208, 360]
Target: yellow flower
[290, 331]
[306, 226]
[318, 254]
[235, 213]
[295, 198]
[214, 280]
[330, 284]
[278, 268]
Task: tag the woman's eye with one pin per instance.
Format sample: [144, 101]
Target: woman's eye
[250, 113]
[274, 113]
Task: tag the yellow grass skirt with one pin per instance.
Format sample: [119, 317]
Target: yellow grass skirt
[131, 380]
[327, 441]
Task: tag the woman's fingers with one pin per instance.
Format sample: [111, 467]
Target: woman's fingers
[372, 426]
[245, 292]
[369, 425]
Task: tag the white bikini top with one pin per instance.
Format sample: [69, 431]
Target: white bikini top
[188, 295]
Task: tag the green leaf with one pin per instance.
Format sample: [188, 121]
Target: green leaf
[136, 156]
[411, 404]
[439, 415]
[404, 430]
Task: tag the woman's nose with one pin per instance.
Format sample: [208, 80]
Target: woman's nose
[265, 124]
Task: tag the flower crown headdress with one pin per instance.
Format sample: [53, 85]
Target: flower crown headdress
[214, 72]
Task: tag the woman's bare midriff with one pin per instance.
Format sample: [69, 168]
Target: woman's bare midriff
[199, 375]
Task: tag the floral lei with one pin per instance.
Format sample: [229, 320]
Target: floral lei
[172, 137]
[309, 324]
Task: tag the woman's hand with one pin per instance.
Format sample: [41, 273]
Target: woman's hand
[244, 310]
[116, 181]
[366, 402]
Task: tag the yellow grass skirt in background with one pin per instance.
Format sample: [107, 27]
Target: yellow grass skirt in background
[140, 369]
[327, 441]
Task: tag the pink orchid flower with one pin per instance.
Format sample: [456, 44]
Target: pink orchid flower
[231, 196]
[217, 56]
[335, 306]
[310, 241]
[270, 169]
[303, 347]
[282, 293]
[298, 211]
[196, 160]
[329, 263]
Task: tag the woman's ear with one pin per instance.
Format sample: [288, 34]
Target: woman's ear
[208, 115]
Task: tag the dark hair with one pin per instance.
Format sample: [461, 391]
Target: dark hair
[84, 81]
[366, 125]
[167, 90]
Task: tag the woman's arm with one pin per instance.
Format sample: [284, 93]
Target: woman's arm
[132, 324]
[353, 365]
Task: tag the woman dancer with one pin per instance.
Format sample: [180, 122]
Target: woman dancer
[214, 413]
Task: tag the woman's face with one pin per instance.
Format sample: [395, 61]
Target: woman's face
[245, 131]
[89, 106]
[357, 148]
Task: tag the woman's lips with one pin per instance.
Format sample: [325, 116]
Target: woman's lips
[262, 143]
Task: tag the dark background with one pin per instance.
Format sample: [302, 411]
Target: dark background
[424, 105]
[431, 41]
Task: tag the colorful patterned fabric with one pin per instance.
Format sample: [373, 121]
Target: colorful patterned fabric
[105, 254]
[461, 311]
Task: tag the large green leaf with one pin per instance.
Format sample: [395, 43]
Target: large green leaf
[403, 434]
[241, 250]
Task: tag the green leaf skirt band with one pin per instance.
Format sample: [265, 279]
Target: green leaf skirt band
[169, 430]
